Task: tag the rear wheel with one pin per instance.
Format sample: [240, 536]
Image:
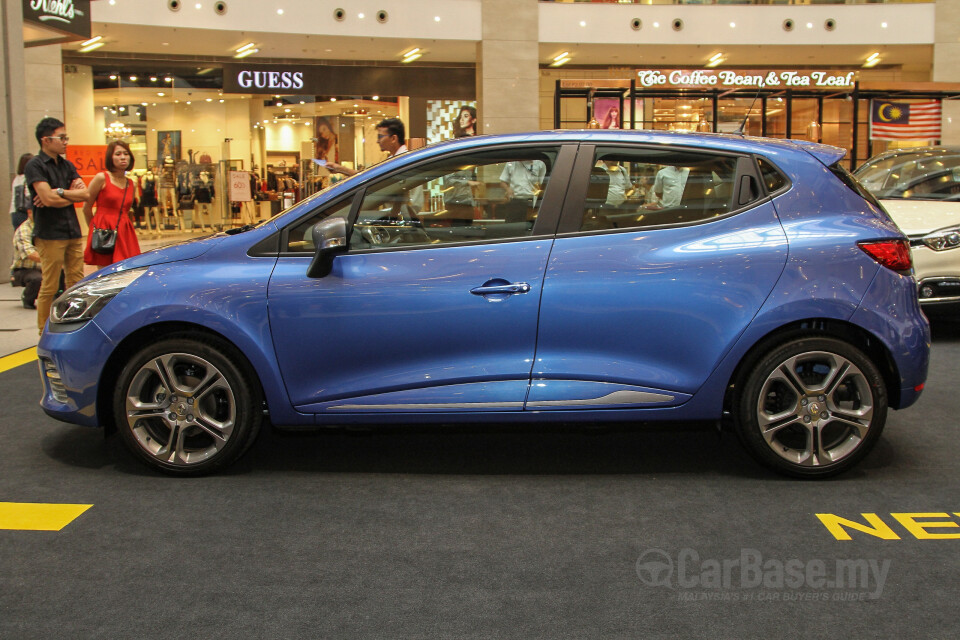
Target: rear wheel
[186, 406]
[812, 407]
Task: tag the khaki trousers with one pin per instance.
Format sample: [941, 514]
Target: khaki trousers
[54, 256]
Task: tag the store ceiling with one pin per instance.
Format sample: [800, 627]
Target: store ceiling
[141, 41]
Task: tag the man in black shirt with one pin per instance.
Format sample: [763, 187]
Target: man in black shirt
[55, 186]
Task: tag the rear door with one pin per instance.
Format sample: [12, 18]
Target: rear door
[662, 258]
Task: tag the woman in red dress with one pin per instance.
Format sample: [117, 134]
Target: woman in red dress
[113, 194]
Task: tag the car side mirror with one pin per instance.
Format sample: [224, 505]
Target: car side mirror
[330, 238]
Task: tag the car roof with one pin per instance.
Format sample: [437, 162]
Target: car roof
[717, 141]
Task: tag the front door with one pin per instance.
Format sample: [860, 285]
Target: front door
[434, 307]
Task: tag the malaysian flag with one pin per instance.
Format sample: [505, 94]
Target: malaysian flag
[904, 120]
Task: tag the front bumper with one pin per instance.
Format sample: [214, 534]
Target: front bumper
[71, 363]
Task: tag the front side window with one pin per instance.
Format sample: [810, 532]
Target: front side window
[632, 188]
[482, 195]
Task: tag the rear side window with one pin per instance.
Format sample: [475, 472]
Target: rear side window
[634, 188]
[772, 178]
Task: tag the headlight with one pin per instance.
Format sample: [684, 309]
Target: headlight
[942, 240]
[83, 301]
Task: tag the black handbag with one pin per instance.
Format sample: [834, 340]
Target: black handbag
[105, 240]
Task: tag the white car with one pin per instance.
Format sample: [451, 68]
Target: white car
[920, 188]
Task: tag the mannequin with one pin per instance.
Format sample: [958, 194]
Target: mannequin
[168, 195]
[148, 198]
[203, 198]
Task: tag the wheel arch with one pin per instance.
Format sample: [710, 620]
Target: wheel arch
[153, 333]
[862, 339]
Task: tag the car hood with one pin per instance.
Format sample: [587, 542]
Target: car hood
[186, 250]
[920, 217]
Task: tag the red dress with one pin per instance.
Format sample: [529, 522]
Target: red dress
[108, 211]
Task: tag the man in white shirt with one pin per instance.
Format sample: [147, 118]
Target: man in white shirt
[392, 138]
[669, 185]
[521, 182]
[620, 184]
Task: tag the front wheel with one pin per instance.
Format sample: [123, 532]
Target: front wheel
[811, 407]
[185, 405]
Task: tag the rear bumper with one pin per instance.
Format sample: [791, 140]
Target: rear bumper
[891, 311]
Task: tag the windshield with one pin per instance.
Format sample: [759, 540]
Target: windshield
[925, 175]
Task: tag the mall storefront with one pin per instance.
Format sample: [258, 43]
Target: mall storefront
[829, 106]
[217, 145]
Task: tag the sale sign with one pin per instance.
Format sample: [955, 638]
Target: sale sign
[88, 159]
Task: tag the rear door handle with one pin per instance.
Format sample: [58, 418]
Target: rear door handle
[511, 287]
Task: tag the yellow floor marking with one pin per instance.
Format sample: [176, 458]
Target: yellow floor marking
[16, 359]
[33, 516]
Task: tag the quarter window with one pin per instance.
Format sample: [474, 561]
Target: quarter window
[300, 237]
[651, 187]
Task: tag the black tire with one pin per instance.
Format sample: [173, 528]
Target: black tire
[811, 407]
[187, 405]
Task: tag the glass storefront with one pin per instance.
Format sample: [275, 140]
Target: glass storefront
[209, 155]
[812, 113]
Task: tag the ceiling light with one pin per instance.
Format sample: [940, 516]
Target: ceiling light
[883, 25]
[436, 18]
[561, 59]
[209, 99]
[91, 47]
[376, 97]
[582, 23]
[809, 25]
[411, 58]
[279, 12]
[198, 6]
[656, 25]
[168, 79]
[333, 99]
[113, 77]
[153, 78]
[872, 61]
[360, 15]
[87, 43]
[245, 47]
[248, 52]
[733, 25]
[161, 93]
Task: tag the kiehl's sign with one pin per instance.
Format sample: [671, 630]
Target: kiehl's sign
[731, 79]
[69, 16]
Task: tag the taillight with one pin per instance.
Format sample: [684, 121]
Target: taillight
[893, 254]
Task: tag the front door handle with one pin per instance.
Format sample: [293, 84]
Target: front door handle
[489, 288]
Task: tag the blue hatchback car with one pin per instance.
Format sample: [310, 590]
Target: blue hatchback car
[550, 277]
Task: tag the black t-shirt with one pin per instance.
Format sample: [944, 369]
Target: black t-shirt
[53, 223]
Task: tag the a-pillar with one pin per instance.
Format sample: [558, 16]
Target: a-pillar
[508, 70]
[946, 52]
